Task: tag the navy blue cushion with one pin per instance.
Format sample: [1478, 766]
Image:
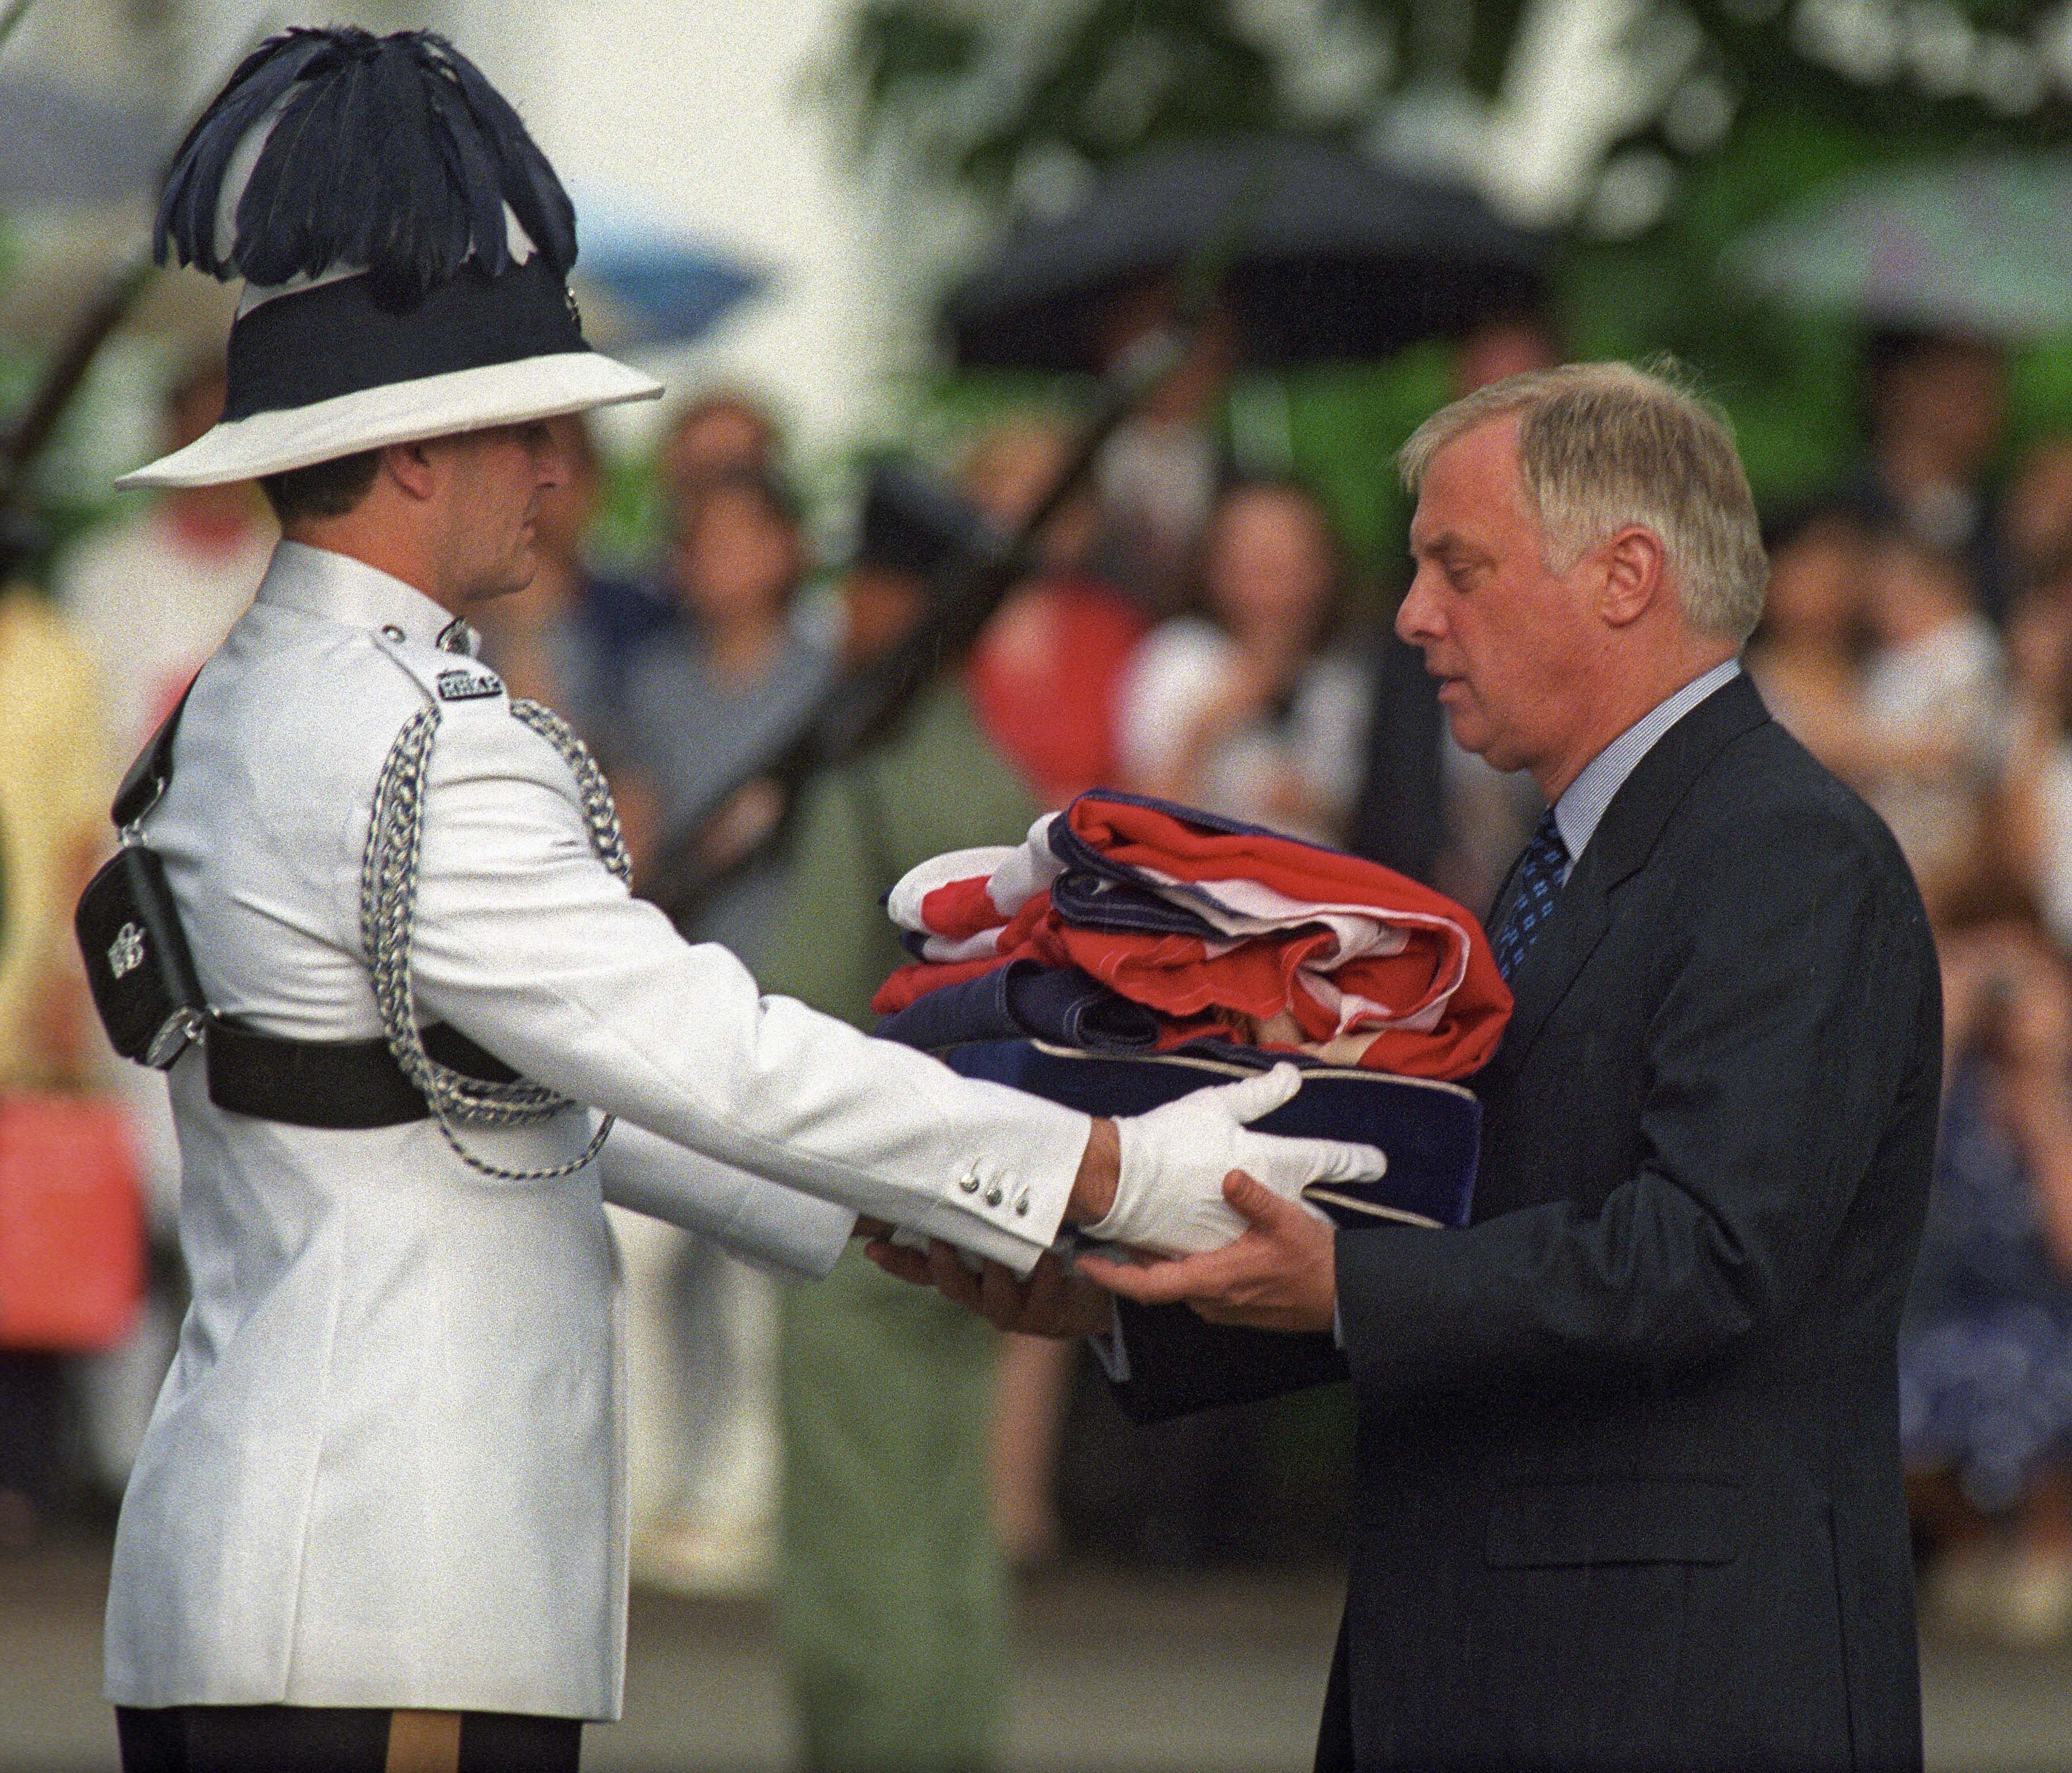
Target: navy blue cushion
[1429, 1131]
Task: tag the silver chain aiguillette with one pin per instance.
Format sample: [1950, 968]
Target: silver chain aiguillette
[388, 913]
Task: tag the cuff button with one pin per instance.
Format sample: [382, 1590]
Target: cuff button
[995, 1195]
[970, 1184]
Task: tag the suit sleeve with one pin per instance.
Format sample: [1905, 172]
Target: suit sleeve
[1800, 1003]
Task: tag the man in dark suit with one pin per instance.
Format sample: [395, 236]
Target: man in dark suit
[1628, 1485]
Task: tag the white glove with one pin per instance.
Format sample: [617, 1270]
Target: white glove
[1169, 1195]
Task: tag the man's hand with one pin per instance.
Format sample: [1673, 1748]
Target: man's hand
[1280, 1274]
[1050, 1303]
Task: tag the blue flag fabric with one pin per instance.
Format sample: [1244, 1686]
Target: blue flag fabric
[1024, 1000]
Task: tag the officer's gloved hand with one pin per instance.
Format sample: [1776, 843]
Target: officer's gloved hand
[1169, 1197]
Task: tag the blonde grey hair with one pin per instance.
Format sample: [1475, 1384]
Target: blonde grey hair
[1603, 446]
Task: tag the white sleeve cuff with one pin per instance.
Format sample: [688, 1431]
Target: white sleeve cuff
[1000, 1213]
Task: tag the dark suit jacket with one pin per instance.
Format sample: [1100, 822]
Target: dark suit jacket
[1628, 1481]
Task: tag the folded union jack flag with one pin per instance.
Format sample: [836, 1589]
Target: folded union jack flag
[1223, 930]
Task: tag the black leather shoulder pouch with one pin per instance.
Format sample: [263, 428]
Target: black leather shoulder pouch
[138, 966]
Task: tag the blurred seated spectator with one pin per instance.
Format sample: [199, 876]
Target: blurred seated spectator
[1043, 681]
[2036, 788]
[1936, 405]
[1042, 677]
[1239, 708]
[2036, 513]
[1935, 697]
[1806, 657]
[1985, 1357]
[56, 779]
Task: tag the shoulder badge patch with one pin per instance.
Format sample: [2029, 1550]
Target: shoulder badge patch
[468, 686]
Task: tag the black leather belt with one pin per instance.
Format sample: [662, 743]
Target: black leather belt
[340, 1085]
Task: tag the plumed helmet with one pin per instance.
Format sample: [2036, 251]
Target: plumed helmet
[405, 246]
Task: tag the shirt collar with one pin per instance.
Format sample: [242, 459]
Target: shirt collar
[1581, 805]
[317, 582]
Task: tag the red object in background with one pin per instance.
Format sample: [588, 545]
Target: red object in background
[1042, 682]
[72, 1225]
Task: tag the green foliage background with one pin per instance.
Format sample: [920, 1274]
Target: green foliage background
[974, 91]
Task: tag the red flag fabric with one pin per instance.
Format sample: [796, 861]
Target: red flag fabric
[1331, 950]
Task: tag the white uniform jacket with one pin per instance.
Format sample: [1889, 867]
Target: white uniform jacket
[386, 1468]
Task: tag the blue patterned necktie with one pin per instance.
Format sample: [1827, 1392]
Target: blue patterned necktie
[1538, 886]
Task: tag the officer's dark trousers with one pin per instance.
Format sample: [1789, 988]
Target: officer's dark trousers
[314, 1739]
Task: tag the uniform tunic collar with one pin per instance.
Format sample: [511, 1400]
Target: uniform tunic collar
[317, 582]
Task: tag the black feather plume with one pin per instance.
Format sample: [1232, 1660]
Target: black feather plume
[391, 153]
[186, 210]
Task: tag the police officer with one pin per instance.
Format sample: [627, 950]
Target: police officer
[379, 1517]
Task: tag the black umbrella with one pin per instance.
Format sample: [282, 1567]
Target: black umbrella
[1342, 258]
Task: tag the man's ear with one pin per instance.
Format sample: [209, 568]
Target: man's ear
[1635, 569]
[411, 468]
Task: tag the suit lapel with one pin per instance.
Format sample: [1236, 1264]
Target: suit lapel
[1623, 840]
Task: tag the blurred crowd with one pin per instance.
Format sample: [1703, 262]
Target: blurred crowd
[1193, 631]
[1916, 640]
